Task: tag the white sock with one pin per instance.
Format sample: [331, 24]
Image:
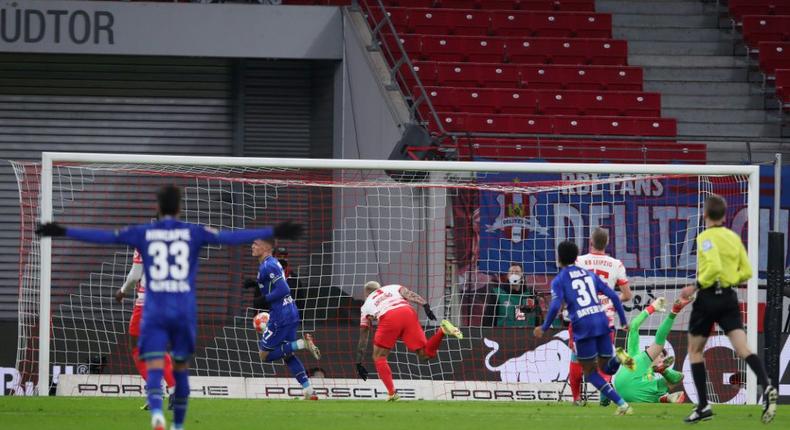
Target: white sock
[300, 344]
[308, 391]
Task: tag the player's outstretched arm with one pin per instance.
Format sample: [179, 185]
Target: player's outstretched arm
[412, 296]
[614, 297]
[285, 230]
[362, 347]
[418, 299]
[132, 278]
[53, 229]
[554, 306]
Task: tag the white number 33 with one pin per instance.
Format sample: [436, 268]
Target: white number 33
[161, 267]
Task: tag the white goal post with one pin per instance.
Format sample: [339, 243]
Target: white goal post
[50, 159]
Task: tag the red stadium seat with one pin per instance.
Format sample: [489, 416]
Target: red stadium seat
[580, 150]
[445, 21]
[473, 22]
[544, 102]
[741, 8]
[462, 49]
[533, 124]
[472, 75]
[763, 28]
[774, 55]
[582, 77]
[567, 51]
[479, 49]
[532, 5]
[478, 75]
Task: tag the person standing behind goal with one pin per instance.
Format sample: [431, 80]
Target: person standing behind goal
[722, 264]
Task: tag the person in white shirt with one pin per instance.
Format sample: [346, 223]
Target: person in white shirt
[397, 319]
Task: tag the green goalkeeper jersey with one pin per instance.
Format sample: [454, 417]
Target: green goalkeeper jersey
[640, 385]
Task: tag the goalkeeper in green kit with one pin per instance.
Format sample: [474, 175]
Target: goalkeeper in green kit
[652, 376]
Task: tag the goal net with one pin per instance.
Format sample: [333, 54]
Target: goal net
[449, 231]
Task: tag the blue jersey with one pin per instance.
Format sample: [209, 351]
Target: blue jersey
[170, 249]
[272, 281]
[578, 289]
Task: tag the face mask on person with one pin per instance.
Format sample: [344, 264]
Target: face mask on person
[514, 278]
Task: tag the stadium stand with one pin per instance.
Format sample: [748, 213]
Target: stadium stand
[774, 55]
[526, 69]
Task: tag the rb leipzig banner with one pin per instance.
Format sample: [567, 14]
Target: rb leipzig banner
[652, 220]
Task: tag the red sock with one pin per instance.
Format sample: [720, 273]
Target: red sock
[385, 374]
[139, 364]
[170, 380]
[575, 379]
[433, 343]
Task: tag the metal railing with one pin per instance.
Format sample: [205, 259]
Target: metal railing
[465, 145]
[383, 31]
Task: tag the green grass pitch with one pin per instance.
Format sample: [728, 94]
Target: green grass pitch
[67, 413]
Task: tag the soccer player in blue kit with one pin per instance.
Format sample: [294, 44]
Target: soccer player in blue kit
[170, 249]
[579, 289]
[279, 340]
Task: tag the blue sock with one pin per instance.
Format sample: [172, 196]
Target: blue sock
[605, 388]
[297, 369]
[154, 387]
[611, 366]
[283, 350]
[181, 397]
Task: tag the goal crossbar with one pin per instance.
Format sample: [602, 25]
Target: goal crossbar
[49, 159]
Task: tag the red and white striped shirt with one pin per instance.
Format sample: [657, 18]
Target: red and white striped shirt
[380, 302]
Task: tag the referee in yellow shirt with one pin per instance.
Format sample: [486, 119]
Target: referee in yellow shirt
[722, 265]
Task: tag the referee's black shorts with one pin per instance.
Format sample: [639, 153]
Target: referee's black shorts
[715, 305]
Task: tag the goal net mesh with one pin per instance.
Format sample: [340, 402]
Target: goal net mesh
[450, 236]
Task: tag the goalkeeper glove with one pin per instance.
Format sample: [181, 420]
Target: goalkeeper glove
[288, 230]
[362, 372]
[249, 283]
[428, 312]
[51, 229]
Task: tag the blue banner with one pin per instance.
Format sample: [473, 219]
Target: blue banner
[652, 221]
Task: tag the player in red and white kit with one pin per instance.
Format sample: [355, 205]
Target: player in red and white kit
[611, 271]
[397, 319]
[135, 281]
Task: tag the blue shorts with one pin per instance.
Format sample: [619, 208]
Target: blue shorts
[159, 333]
[596, 346]
[275, 336]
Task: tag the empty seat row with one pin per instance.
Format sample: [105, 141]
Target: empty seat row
[471, 22]
[764, 28]
[774, 55]
[580, 150]
[740, 8]
[546, 5]
[482, 75]
[547, 102]
[523, 50]
[566, 125]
